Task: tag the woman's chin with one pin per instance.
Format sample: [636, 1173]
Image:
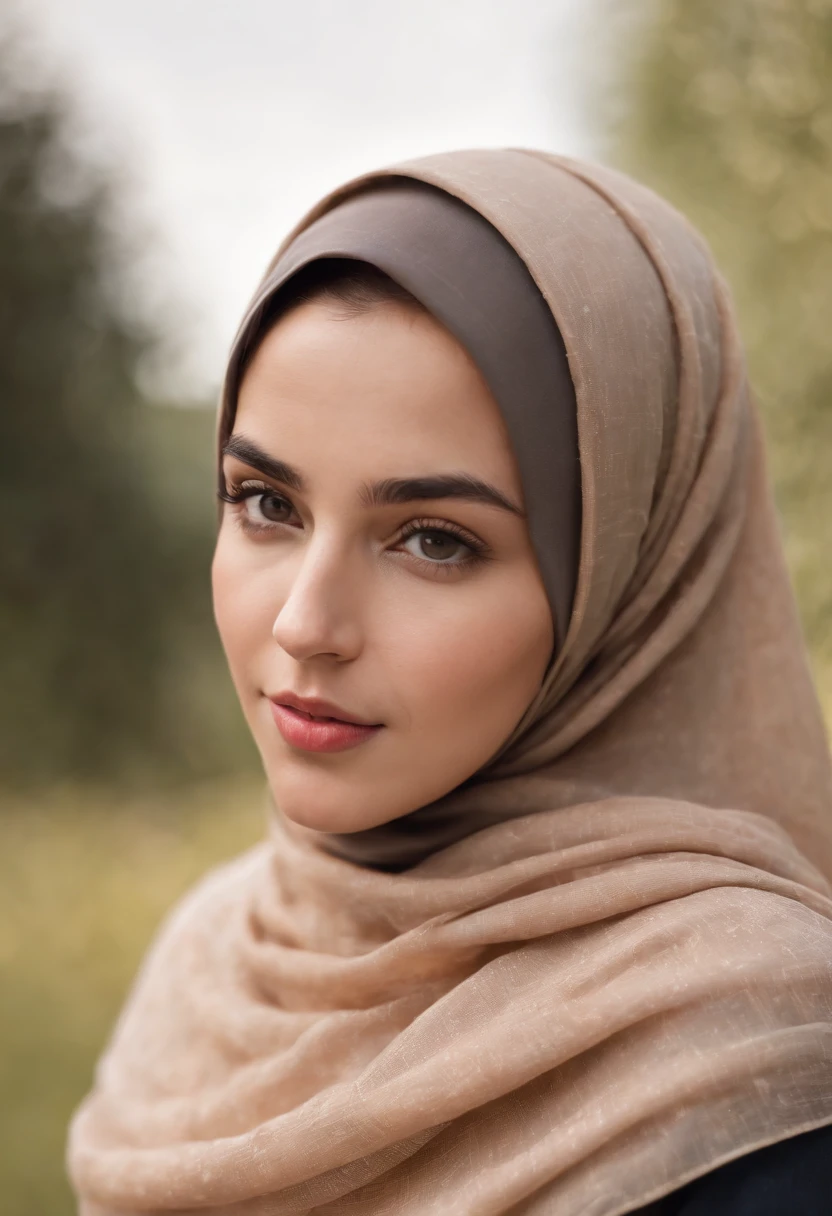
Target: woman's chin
[325, 815]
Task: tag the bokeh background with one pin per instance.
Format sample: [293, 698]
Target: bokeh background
[152, 154]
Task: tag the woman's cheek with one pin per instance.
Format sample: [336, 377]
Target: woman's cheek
[246, 602]
[474, 672]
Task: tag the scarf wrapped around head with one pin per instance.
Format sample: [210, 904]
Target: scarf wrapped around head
[612, 971]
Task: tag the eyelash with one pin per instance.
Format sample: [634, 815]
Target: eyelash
[236, 495]
[478, 550]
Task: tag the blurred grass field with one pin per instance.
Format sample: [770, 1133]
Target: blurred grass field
[84, 881]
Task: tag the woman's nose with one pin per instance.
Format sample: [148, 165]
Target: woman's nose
[320, 616]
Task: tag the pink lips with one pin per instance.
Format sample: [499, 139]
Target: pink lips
[318, 726]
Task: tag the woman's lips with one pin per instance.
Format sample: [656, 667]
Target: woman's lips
[307, 725]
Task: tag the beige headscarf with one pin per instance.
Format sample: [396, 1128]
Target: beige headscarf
[626, 979]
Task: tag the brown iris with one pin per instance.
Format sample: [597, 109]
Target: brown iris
[439, 546]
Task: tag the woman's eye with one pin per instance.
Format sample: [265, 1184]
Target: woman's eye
[437, 546]
[267, 508]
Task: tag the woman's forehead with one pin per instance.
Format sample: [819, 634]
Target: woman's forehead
[388, 391]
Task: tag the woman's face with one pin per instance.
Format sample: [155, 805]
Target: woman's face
[374, 584]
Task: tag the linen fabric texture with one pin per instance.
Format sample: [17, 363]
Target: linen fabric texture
[614, 970]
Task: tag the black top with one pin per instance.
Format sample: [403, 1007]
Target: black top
[792, 1178]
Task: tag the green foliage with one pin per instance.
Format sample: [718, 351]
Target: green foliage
[83, 884]
[104, 606]
[726, 109]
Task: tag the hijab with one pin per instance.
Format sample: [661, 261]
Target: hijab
[611, 971]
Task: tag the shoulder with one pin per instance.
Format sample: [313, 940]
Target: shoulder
[793, 1176]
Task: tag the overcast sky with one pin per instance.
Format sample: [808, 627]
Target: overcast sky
[233, 116]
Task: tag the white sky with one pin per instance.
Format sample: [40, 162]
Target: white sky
[232, 117]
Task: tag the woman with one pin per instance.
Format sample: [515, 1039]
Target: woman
[544, 922]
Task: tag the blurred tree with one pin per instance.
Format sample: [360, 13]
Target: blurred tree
[726, 109]
[103, 576]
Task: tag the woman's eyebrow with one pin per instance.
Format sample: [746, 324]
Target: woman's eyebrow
[398, 490]
[393, 491]
[252, 454]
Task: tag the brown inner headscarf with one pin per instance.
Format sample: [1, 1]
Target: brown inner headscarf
[622, 979]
